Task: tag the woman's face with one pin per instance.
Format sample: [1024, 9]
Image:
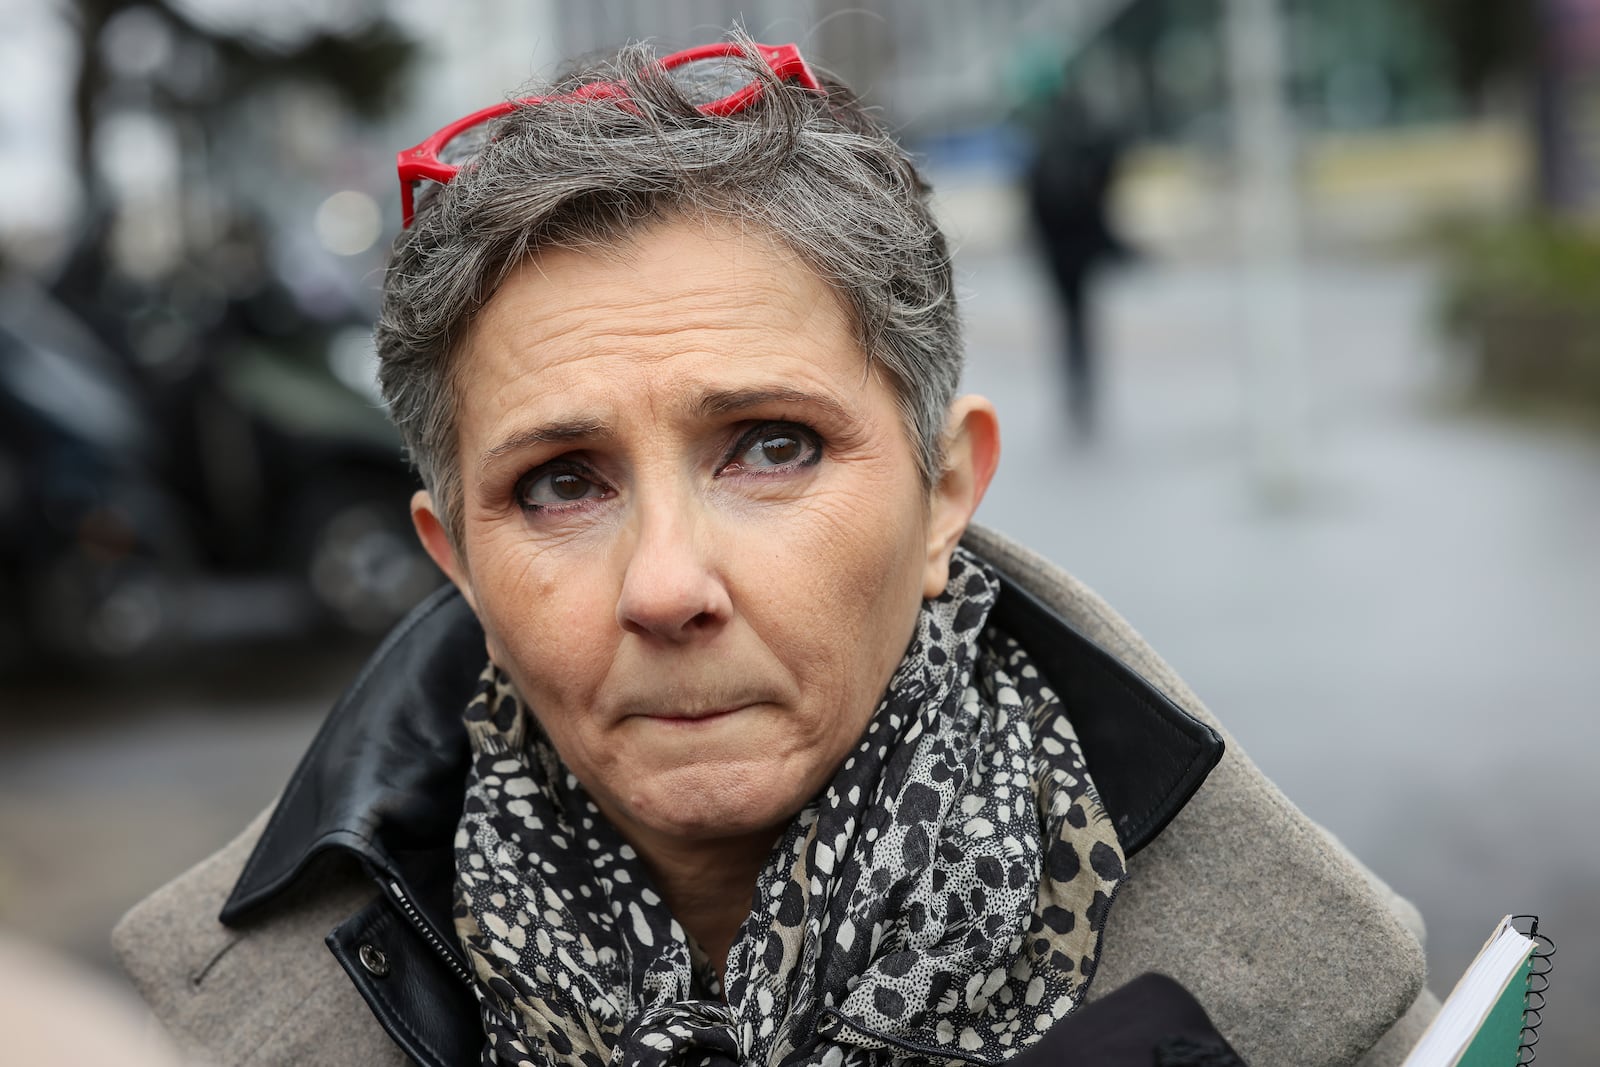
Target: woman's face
[694, 529]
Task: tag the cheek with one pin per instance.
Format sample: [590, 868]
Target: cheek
[858, 563]
[552, 629]
[878, 530]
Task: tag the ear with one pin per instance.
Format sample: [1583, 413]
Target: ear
[431, 532]
[971, 453]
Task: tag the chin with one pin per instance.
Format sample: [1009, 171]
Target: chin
[703, 806]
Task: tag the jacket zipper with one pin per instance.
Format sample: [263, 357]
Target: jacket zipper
[457, 968]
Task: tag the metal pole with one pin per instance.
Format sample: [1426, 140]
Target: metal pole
[1269, 243]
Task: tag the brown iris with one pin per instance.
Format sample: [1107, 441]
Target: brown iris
[568, 486]
[781, 449]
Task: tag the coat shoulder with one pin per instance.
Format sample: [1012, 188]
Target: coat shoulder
[1297, 951]
[268, 991]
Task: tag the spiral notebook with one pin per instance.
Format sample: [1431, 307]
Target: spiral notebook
[1491, 1018]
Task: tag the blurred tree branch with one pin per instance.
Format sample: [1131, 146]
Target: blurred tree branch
[364, 67]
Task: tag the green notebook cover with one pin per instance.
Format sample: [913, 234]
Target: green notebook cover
[1482, 1021]
[1500, 1035]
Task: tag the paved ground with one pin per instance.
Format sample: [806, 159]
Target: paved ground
[1408, 650]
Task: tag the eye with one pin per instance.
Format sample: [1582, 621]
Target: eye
[775, 447]
[556, 487]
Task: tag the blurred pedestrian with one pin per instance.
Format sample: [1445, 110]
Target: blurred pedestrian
[1069, 184]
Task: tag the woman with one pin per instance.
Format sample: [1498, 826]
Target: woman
[732, 741]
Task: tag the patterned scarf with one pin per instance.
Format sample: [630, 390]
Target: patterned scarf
[942, 899]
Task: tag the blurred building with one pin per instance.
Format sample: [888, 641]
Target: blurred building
[949, 75]
[938, 68]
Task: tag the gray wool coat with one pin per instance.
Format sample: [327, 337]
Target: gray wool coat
[1299, 954]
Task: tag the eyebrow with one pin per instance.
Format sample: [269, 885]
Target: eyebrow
[731, 401]
[555, 433]
[721, 402]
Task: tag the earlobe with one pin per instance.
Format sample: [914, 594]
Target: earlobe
[436, 541]
[971, 454]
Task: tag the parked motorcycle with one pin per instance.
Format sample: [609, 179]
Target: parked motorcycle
[256, 494]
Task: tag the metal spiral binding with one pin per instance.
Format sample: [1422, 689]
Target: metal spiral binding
[1538, 983]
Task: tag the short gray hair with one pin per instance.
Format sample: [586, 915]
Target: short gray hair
[817, 171]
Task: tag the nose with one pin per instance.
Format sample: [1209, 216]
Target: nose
[670, 589]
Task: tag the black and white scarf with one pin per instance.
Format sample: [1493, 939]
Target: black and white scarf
[942, 899]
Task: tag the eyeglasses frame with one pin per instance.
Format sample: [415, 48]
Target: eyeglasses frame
[422, 163]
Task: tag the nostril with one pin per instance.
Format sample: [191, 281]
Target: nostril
[675, 614]
[667, 623]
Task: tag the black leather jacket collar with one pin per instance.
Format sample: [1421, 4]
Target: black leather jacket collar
[384, 777]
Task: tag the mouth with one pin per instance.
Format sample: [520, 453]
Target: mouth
[687, 717]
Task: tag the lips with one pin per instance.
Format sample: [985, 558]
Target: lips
[675, 705]
[676, 715]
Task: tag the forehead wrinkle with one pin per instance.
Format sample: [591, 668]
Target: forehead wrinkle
[578, 333]
[570, 308]
[663, 284]
[543, 345]
[611, 291]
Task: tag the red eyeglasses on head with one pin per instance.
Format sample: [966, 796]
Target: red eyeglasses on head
[704, 71]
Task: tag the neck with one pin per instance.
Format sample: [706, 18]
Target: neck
[708, 885]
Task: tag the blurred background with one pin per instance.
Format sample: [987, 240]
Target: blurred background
[1291, 309]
